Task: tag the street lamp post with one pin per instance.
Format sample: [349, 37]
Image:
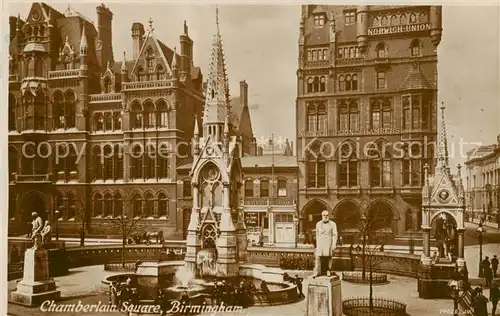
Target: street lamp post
[480, 233]
[456, 288]
[296, 223]
[57, 224]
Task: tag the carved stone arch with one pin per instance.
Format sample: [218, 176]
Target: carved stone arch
[387, 201]
[97, 192]
[149, 191]
[434, 215]
[70, 96]
[135, 192]
[118, 191]
[347, 214]
[380, 147]
[164, 192]
[218, 164]
[57, 96]
[34, 201]
[108, 192]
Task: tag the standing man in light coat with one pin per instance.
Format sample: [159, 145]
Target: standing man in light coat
[326, 242]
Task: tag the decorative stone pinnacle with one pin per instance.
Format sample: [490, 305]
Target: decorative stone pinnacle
[151, 24]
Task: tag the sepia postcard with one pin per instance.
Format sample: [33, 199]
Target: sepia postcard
[287, 158]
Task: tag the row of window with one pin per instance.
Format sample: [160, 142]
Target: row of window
[264, 188]
[399, 20]
[381, 50]
[350, 19]
[147, 206]
[416, 114]
[150, 115]
[380, 169]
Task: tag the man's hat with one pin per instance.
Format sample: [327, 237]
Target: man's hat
[34, 214]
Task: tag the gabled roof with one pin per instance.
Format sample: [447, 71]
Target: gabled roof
[416, 80]
[163, 53]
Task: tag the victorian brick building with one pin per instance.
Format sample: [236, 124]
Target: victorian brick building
[366, 113]
[123, 118]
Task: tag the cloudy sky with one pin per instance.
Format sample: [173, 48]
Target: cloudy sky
[261, 47]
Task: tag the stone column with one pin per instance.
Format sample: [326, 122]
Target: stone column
[193, 242]
[227, 261]
[427, 241]
[461, 243]
[271, 223]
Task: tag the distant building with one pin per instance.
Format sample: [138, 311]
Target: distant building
[483, 182]
[366, 80]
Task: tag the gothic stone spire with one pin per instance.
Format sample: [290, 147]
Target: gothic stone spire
[442, 157]
[217, 93]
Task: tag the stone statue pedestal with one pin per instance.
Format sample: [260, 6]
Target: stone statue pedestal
[324, 297]
[36, 287]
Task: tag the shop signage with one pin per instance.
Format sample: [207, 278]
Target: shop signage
[251, 219]
[399, 29]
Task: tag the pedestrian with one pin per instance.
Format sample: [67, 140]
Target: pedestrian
[488, 276]
[494, 265]
[298, 282]
[480, 304]
[494, 297]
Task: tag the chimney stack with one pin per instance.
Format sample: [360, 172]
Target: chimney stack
[137, 39]
[243, 93]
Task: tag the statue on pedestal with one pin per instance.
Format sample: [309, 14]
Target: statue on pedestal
[46, 234]
[36, 230]
[326, 242]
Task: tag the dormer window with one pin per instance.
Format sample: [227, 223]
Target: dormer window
[319, 20]
[350, 17]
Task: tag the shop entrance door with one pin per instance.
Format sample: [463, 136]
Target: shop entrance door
[284, 233]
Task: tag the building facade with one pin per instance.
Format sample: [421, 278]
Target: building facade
[94, 136]
[366, 113]
[482, 179]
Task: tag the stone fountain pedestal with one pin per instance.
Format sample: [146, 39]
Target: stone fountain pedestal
[150, 274]
[324, 296]
[36, 286]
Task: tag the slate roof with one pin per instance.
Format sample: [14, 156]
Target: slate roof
[416, 80]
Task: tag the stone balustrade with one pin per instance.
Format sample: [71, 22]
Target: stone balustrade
[317, 64]
[58, 74]
[349, 61]
[95, 98]
[33, 178]
[139, 85]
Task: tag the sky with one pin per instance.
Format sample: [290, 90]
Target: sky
[261, 47]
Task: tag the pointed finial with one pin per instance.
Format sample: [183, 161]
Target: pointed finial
[442, 108]
[174, 59]
[67, 38]
[151, 24]
[185, 28]
[196, 128]
[217, 18]
[108, 64]
[124, 66]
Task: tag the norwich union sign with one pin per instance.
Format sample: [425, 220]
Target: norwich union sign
[399, 29]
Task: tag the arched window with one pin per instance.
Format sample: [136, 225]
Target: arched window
[380, 165]
[381, 113]
[108, 85]
[341, 83]
[136, 115]
[422, 18]
[384, 21]
[98, 122]
[381, 50]
[108, 205]
[248, 188]
[347, 165]
[97, 163]
[108, 122]
[162, 120]
[108, 162]
[117, 121]
[149, 115]
[12, 112]
[354, 84]
[282, 187]
[160, 73]
[149, 205]
[97, 205]
[118, 162]
[69, 109]
[149, 161]
[348, 115]
[315, 168]
[415, 48]
[140, 74]
[348, 86]
[65, 166]
[40, 106]
[375, 22]
[162, 206]
[163, 162]
[136, 206]
[58, 110]
[413, 18]
[310, 85]
[403, 20]
[264, 188]
[136, 163]
[394, 20]
[316, 84]
[118, 205]
[322, 84]
[316, 117]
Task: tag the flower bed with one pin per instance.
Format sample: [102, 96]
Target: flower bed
[360, 306]
[357, 277]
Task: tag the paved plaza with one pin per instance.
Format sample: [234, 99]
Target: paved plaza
[84, 284]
